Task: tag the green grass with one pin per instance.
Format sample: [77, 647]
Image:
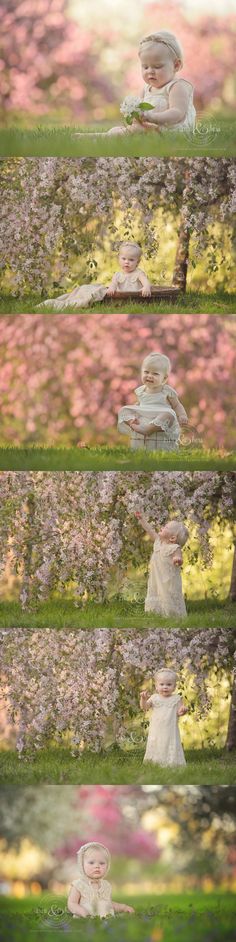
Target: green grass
[60, 142]
[220, 302]
[116, 767]
[119, 613]
[103, 458]
[190, 917]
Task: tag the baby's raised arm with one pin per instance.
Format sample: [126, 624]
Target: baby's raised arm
[144, 698]
[73, 903]
[182, 709]
[146, 526]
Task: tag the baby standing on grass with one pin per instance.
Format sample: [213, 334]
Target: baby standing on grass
[130, 278]
[167, 100]
[164, 746]
[90, 894]
[154, 421]
[164, 591]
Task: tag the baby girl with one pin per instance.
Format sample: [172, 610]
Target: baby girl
[170, 97]
[164, 592]
[164, 745]
[154, 422]
[130, 278]
[90, 895]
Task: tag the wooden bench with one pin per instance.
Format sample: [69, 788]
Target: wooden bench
[158, 293]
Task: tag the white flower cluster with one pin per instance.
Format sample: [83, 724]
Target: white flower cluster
[129, 105]
[132, 107]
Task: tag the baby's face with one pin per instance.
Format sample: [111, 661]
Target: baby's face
[152, 378]
[95, 864]
[167, 534]
[164, 686]
[128, 259]
[158, 65]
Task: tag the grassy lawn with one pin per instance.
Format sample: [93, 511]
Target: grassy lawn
[116, 767]
[221, 302]
[215, 137]
[191, 917]
[115, 614]
[103, 458]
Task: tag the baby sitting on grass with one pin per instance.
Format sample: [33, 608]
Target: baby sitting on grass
[90, 894]
[167, 99]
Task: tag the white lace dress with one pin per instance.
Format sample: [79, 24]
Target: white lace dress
[150, 408]
[159, 98]
[95, 897]
[164, 745]
[164, 591]
[85, 295]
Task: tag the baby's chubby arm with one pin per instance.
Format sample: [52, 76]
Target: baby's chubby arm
[177, 558]
[146, 526]
[146, 287]
[178, 408]
[113, 285]
[73, 903]
[178, 105]
[122, 908]
[144, 699]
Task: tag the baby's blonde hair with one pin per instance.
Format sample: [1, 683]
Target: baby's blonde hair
[159, 360]
[180, 530]
[169, 40]
[167, 671]
[131, 245]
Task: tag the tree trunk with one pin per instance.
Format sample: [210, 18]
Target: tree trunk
[181, 258]
[230, 744]
[232, 591]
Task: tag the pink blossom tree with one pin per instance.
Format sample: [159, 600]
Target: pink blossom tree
[49, 64]
[51, 60]
[63, 379]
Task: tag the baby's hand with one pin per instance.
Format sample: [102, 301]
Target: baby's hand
[183, 422]
[177, 562]
[135, 424]
[127, 909]
[146, 292]
[110, 291]
[130, 422]
[137, 125]
[83, 912]
[182, 710]
[144, 696]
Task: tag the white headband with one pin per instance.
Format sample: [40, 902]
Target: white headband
[168, 39]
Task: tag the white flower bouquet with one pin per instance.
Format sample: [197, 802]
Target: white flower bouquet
[133, 107]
